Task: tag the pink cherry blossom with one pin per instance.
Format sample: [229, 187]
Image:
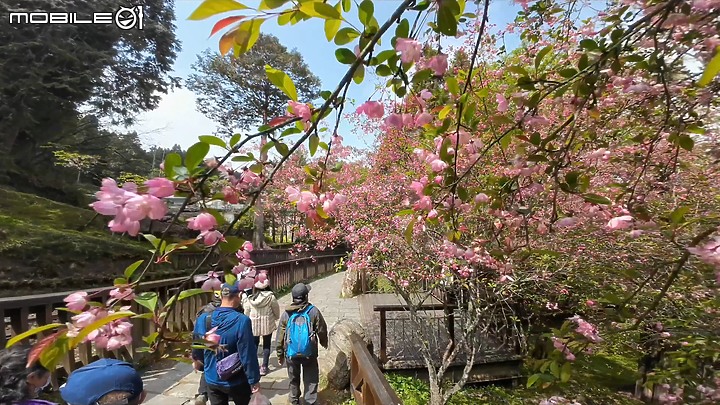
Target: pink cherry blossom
[481, 198]
[247, 246]
[438, 165]
[293, 193]
[502, 103]
[410, 50]
[438, 64]
[212, 338]
[211, 284]
[394, 121]
[621, 222]
[76, 301]
[211, 238]
[373, 109]
[122, 294]
[203, 222]
[300, 110]
[160, 187]
[423, 119]
[230, 195]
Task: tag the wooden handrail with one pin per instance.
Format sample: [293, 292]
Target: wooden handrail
[368, 383]
[24, 312]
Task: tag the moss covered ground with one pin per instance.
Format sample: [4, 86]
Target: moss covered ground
[49, 246]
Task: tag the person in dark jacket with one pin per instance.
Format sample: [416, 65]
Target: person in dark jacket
[201, 397]
[307, 365]
[235, 331]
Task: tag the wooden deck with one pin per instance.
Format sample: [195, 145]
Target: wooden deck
[397, 344]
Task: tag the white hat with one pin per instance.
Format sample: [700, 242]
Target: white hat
[262, 281]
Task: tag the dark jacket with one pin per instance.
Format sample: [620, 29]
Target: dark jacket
[319, 328]
[236, 336]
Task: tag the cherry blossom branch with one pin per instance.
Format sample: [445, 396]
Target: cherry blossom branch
[674, 274]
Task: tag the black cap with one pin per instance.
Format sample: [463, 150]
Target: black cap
[300, 290]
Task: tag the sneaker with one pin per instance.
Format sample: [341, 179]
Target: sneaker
[263, 370]
[201, 399]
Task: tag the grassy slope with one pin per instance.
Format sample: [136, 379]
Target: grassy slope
[42, 249]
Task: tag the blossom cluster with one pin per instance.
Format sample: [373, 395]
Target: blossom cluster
[110, 336]
[129, 206]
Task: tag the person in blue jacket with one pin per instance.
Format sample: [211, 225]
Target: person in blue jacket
[236, 336]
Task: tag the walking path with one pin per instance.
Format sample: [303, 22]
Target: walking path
[175, 383]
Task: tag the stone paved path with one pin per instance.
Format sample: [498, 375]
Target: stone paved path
[175, 383]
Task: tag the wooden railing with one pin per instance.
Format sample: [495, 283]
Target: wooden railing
[19, 314]
[369, 385]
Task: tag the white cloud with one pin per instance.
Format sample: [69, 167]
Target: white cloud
[175, 121]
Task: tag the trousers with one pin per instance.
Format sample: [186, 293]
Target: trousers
[240, 394]
[308, 367]
[266, 342]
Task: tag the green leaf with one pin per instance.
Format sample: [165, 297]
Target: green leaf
[517, 70]
[452, 85]
[346, 35]
[678, 215]
[232, 244]
[359, 74]
[256, 168]
[196, 154]
[408, 211]
[172, 160]
[540, 55]
[243, 158]
[532, 380]
[247, 34]
[190, 293]
[345, 56]
[596, 199]
[32, 332]
[235, 139]
[383, 70]
[314, 140]
[365, 12]
[446, 20]
[331, 28]
[152, 239]
[148, 299]
[711, 70]
[686, 142]
[267, 147]
[403, 29]
[346, 5]
[555, 369]
[321, 213]
[212, 140]
[130, 270]
[589, 44]
[282, 149]
[320, 9]
[209, 8]
[282, 81]
[565, 372]
[98, 324]
[408, 234]
[567, 73]
[271, 4]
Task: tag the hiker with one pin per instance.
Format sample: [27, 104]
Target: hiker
[236, 344]
[301, 328]
[104, 382]
[264, 311]
[20, 384]
[201, 397]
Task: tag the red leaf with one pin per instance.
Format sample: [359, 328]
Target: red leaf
[227, 41]
[224, 23]
[42, 345]
[278, 120]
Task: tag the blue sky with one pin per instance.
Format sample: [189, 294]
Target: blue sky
[176, 121]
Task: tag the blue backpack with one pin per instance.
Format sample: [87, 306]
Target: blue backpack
[298, 334]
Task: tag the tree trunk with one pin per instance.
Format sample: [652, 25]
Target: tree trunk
[351, 285]
[258, 238]
[436, 395]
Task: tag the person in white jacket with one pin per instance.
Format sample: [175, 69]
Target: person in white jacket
[264, 311]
